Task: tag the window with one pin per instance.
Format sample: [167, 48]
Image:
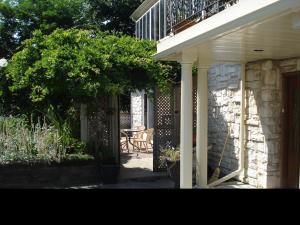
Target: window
[148, 25]
[162, 19]
[137, 30]
[153, 30]
[156, 22]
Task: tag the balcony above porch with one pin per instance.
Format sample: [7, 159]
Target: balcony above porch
[157, 19]
[249, 30]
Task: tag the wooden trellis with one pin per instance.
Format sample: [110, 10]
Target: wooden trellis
[167, 120]
[103, 124]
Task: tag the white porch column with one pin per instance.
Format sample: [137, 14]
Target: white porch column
[202, 127]
[186, 124]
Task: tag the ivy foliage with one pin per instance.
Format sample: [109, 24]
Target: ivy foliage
[77, 65]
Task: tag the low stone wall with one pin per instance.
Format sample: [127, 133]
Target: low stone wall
[48, 176]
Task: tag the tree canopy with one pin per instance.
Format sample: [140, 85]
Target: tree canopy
[19, 18]
[114, 15]
[77, 65]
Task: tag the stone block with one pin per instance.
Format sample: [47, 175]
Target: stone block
[253, 75]
[252, 173]
[288, 69]
[254, 85]
[253, 66]
[269, 95]
[267, 65]
[288, 62]
[269, 77]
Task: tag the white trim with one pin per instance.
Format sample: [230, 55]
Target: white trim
[146, 12]
[186, 126]
[145, 6]
[202, 127]
[234, 18]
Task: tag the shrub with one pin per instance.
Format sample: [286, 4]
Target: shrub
[34, 143]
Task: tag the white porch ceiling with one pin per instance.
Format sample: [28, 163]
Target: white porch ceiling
[278, 36]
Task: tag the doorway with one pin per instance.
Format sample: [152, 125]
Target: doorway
[136, 139]
[291, 132]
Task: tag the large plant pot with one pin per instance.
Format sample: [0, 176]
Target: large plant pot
[173, 168]
[110, 173]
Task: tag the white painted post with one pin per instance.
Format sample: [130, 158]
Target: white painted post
[202, 127]
[242, 123]
[186, 130]
[83, 123]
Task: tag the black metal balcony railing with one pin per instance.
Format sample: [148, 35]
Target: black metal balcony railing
[181, 14]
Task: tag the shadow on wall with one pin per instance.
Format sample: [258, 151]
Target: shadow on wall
[263, 120]
[263, 125]
[224, 117]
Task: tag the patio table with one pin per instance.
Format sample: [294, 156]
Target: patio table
[130, 133]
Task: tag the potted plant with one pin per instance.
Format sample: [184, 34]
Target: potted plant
[170, 157]
[109, 168]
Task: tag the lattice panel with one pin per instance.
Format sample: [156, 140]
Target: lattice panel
[125, 121]
[167, 120]
[163, 124]
[99, 130]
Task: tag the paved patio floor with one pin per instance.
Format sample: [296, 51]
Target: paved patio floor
[137, 173]
[138, 167]
[164, 183]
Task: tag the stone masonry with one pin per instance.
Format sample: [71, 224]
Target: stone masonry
[137, 109]
[263, 113]
[224, 115]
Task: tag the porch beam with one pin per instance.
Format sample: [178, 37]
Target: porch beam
[186, 126]
[202, 127]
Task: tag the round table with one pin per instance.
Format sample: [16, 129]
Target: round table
[130, 133]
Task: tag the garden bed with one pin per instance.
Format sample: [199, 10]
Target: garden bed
[71, 172]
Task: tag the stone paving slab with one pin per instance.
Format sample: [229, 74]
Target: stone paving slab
[234, 185]
[157, 184]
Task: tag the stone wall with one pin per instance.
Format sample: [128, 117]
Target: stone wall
[263, 118]
[224, 116]
[137, 109]
[49, 176]
[263, 128]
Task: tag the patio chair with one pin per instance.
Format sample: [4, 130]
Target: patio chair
[139, 142]
[138, 135]
[124, 141]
